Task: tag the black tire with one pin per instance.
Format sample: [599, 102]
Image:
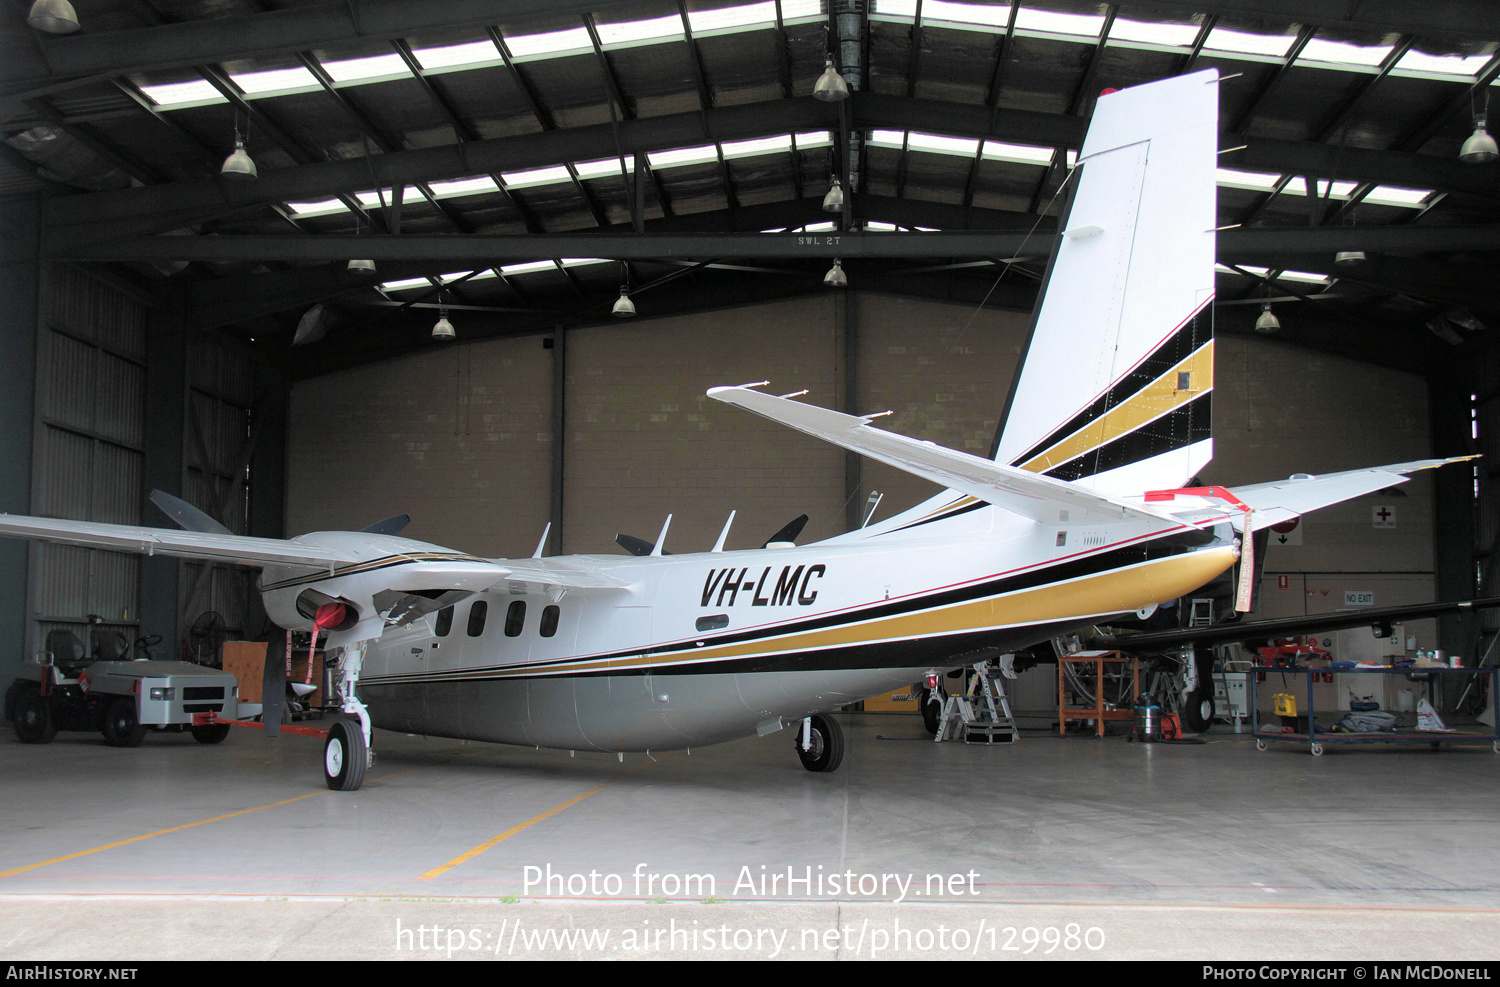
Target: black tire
[212, 733]
[33, 718]
[932, 709]
[345, 756]
[827, 749]
[122, 726]
[1198, 709]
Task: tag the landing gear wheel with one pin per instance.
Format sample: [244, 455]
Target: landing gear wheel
[1260, 745]
[1198, 710]
[827, 747]
[122, 727]
[932, 708]
[212, 733]
[1317, 750]
[345, 756]
[34, 718]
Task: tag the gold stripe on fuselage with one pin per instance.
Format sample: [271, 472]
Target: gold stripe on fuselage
[1149, 403]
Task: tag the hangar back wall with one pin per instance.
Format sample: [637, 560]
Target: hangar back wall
[461, 436]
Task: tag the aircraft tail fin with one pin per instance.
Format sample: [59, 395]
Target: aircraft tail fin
[1115, 385]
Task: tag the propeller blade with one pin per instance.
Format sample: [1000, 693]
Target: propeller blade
[273, 688]
[636, 546]
[790, 531]
[390, 526]
[188, 517]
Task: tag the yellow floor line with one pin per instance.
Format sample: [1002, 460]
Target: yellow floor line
[175, 829]
[487, 844]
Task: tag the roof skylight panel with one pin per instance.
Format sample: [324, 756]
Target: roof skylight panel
[763, 145]
[371, 199]
[1152, 33]
[603, 168]
[536, 176]
[752, 16]
[1391, 195]
[1222, 39]
[958, 146]
[683, 156]
[1451, 66]
[322, 207]
[966, 16]
[1298, 186]
[528, 267]
[1057, 24]
[584, 261]
[471, 54]
[1306, 276]
[888, 138]
[375, 68]
[1018, 153]
[1343, 53]
[405, 284]
[812, 139]
[195, 92]
[275, 81]
[652, 30]
[1256, 181]
[464, 186]
[549, 44]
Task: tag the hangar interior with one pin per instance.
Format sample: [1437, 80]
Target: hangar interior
[412, 304]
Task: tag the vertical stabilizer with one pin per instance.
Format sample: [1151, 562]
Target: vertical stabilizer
[1115, 386]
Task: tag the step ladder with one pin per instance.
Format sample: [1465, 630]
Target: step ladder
[982, 715]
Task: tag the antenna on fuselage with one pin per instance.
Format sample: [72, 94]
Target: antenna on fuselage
[661, 538]
[719, 545]
[543, 543]
[872, 502]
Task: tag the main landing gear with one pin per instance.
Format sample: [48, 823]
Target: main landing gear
[346, 753]
[820, 743]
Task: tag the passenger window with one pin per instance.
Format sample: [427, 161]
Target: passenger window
[476, 618]
[515, 618]
[444, 622]
[549, 620]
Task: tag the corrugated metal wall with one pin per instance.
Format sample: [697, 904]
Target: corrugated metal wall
[218, 443]
[89, 434]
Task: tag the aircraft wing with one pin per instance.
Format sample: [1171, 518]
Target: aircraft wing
[243, 549]
[1257, 629]
[1019, 491]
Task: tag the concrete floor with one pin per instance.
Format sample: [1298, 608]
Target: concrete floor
[1217, 851]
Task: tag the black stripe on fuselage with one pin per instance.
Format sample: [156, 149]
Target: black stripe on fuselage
[1178, 542]
[1188, 338]
[1182, 426]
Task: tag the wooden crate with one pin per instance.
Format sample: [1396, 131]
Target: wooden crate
[246, 661]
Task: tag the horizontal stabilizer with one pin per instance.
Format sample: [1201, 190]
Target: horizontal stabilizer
[1018, 491]
[243, 549]
[1283, 500]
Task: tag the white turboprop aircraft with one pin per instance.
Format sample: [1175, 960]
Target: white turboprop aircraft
[1077, 516]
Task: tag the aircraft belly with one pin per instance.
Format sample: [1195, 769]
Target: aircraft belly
[626, 712]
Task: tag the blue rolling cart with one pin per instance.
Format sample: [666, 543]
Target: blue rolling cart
[1316, 737]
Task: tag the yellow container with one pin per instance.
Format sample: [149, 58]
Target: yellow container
[1286, 704]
